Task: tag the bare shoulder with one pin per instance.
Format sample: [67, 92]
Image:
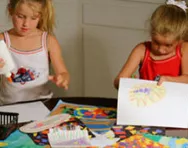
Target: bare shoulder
[52, 38]
[52, 42]
[140, 50]
[140, 47]
[184, 48]
[1, 36]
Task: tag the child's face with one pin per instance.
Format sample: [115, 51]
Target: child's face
[163, 45]
[25, 20]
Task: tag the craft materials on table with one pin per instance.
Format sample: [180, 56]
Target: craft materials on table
[71, 136]
[41, 138]
[172, 142]
[101, 140]
[144, 129]
[3, 144]
[19, 140]
[143, 102]
[47, 123]
[123, 132]
[95, 113]
[98, 119]
[28, 111]
[136, 141]
[8, 123]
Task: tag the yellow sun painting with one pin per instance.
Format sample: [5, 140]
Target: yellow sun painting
[146, 94]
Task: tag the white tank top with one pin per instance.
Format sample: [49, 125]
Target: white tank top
[30, 76]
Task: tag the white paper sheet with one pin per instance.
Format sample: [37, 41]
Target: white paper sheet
[101, 140]
[28, 111]
[168, 111]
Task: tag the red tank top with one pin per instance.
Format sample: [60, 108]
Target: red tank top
[151, 68]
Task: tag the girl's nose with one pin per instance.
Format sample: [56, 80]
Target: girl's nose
[26, 22]
[161, 49]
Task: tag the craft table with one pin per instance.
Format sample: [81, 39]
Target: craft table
[107, 102]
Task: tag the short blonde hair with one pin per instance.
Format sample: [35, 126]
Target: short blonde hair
[169, 20]
[47, 20]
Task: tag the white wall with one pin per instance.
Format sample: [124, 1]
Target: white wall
[69, 35]
[5, 23]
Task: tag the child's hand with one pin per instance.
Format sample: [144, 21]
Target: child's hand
[162, 79]
[61, 80]
[2, 63]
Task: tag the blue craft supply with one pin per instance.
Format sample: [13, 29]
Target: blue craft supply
[44, 140]
[146, 128]
[185, 145]
[38, 137]
[159, 131]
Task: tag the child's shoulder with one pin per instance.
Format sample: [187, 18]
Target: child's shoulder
[139, 50]
[141, 47]
[52, 42]
[51, 39]
[184, 47]
[1, 36]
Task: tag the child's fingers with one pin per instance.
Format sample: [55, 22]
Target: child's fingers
[161, 80]
[59, 81]
[65, 85]
[52, 78]
[62, 83]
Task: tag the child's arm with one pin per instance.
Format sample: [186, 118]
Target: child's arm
[1, 36]
[183, 78]
[1, 60]
[131, 65]
[61, 77]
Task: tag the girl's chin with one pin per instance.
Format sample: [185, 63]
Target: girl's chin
[23, 33]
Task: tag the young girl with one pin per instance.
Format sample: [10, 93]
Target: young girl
[166, 55]
[31, 44]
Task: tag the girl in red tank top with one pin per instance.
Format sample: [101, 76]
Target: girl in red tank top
[166, 55]
[150, 68]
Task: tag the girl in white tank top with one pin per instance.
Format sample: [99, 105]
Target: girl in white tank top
[30, 76]
[31, 47]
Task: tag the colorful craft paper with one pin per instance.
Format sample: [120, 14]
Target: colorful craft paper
[172, 142]
[20, 140]
[145, 129]
[137, 141]
[98, 119]
[121, 132]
